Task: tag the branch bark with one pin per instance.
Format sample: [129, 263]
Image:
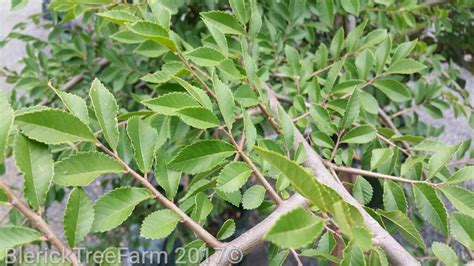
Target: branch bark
[38, 222]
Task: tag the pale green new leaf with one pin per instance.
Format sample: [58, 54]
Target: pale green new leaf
[362, 190]
[319, 194]
[461, 198]
[13, 236]
[359, 135]
[403, 50]
[159, 224]
[444, 253]
[462, 175]
[405, 66]
[114, 207]
[227, 230]
[218, 37]
[394, 90]
[75, 104]
[169, 103]
[119, 16]
[337, 43]
[326, 9]
[78, 216]
[143, 138]
[241, 10]
[253, 197]
[36, 163]
[106, 109]
[205, 56]
[405, 226]
[201, 156]
[225, 100]
[440, 159]
[460, 226]
[380, 156]
[430, 207]
[153, 32]
[250, 131]
[82, 168]
[351, 6]
[53, 126]
[202, 207]
[198, 117]
[394, 197]
[225, 22]
[233, 176]
[129, 37]
[197, 93]
[6, 124]
[295, 229]
[167, 178]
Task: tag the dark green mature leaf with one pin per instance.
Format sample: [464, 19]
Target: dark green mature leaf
[444, 253]
[394, 90]
[359, 135]
[337, 43]
[198, 117]
[460, 226]
[380, 156]
[3, 196]
[53, 126]
[405, 66]
[13, 236]
[6, 124]
[205, 56]
[225, 100]
[36, 163]
[430, 207]
[159, 224]
[352, 110]
[351, 6]
[364, 63]
[362, 190]
[106, 109]
[78, 216]
[227, 230]
[82, 168]
[403, 50]
[201, 156]
[405, 226]
[233, 176]
[305, 183]
[143, 138]
[169, 103]
[167, 178]
[326, 9]
[295, 229]
[114, 207]
[253, 197]
[225, 22]
[394, 197]
[461, 198]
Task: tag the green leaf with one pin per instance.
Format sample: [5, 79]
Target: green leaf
[143, 138]
[225, 22]
[202, 207]
[405, 226]
[114, 207]
[241, 10]
[225, 100]
[233, 176]
[352, 110]
[378, 257]
[430, 207]
[394, 90]
[169, 103]
[233, 198]
[167, 178]
[18, 4]
[359, 135]
[250, 131]
[106, 109]
[373, 38]
[36, 163]
[460, 226]
[287, 127]
[347, 217]
[218, 37]
[253, 197]
[380, 156]
[227, 230]
[462, 175]
[198, 117]
[78, 216]
[159, 224]
[318, 194]
[129, 37]
[293, 59]
[351, 6]
[403, 50]
[440, 159]
[362, 190]
[353, 38]
[394, 197]
[405, 66]
[197, 93]
[13, 236]
[75, 104]
[295, 229]
[205, 56]
[3, 196]
[52, 126]
[461, 198]
[337, 43]
[82, 168]
[228, 68]
[201, 156]
[382, 53]
[322, 140]
[119, 16]
[6, 124]
[364, 63]
[246, 96]
[444, 253]
[153, 32]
